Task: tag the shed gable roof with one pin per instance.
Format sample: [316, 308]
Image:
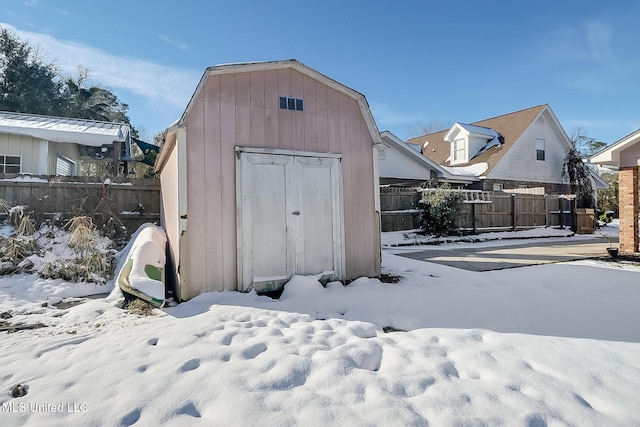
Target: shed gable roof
[63, 129]
[298, 66]
[511, 126]
[171, 132]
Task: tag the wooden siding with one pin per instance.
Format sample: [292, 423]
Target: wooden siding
[242, 109]
[170, 216]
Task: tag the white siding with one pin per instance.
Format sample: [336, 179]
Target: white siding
[26, 147]
[38, 156]
[520, 163]
[67, 150]
[474, 145]
[396, 164]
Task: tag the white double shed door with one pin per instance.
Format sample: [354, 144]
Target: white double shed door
[290, 217]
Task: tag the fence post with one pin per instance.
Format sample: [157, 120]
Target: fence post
[473, 218]
[547, 221]
[513, 212]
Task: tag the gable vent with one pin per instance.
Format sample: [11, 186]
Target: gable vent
[288, 103]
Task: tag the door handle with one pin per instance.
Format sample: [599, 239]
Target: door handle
[295, 213]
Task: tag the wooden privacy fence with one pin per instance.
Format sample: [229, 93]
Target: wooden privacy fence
[126, 201]
[481, 211]
[399, 208]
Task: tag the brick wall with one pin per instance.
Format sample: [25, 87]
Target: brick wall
[628, 199]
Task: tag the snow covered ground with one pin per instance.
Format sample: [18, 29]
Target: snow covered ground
[550, 345]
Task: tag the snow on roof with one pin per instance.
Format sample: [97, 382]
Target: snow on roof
[475, 169]
[489, 133]
[415, 147]
[63, 129]
[481, 130]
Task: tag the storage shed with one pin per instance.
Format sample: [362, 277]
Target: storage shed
[271, 171]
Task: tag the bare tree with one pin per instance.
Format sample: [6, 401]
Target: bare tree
[425, 128]
[584, 145]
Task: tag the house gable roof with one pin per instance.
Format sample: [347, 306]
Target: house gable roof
[511, 126]
[63, 129]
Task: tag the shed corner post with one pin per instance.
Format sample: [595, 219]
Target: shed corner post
[378, 213]
[182, 184]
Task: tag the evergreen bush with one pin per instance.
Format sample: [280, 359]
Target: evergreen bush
[440, 212]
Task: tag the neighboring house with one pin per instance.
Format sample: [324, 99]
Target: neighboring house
[518, 150]
[625, 154]
[46, 145]
[403, 164]
[270, 172]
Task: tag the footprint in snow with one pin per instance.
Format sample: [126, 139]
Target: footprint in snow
[226, 340]
[254, 350]
[448, 370]
[152, 341]
[190, 365]
[189, 409]
[131, 418]
[535, 420]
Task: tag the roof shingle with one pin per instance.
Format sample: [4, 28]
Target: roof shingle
[511, 126]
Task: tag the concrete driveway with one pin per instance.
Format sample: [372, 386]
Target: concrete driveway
[510, 254]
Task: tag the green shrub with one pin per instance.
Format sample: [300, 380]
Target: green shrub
[440, 212]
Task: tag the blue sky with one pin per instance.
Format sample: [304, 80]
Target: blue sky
[419, 63]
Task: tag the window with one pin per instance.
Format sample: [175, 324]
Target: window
[459, 150]
[64, 166]
[539, 149]
[498, 187]
[10, 164]
[288, 103]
